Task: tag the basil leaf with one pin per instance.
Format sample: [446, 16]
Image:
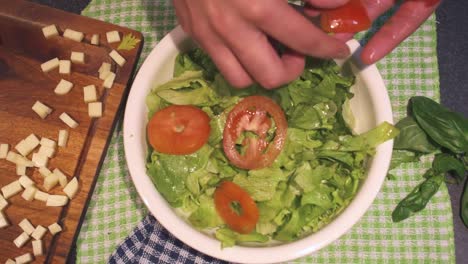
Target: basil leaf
[412, 137]
[418, 198]
[445, 163]
[464, 205]
[400, 156]
[447, 128]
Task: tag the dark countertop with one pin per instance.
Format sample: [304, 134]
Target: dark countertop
[452, 49]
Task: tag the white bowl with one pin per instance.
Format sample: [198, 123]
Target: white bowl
[371, 106]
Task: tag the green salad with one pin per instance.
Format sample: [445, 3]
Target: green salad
[314, 177]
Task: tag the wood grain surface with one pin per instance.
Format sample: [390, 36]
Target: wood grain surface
[22, 50]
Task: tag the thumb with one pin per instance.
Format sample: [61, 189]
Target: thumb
[326, 3]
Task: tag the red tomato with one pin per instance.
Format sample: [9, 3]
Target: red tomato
[350, 18]
[228, 193]
[178, 129]
[253, 114]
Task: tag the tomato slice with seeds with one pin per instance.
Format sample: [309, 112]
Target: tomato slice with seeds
[254, 114]
[178, 129]
[349, 18]
[225, 196]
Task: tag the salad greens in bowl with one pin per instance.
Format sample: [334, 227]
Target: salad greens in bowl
[254, 175]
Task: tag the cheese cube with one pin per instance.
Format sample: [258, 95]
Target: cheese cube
[113, 36]
[29, 193]
[41, 109]
[63, 138]
[12, 157]
[45, 172]
[50, 181]
[50, 31]
[25, 181]
[72, 188]
[104, 70]
[55, 228]
[3, 203]
[3, 220]
[39, 232]
[41, 196]
[68, 120]
[62, 178]
[57, 200]
[50, 65]
[117, 58]
[20, 170]
[11, 189]
[40, 160]
[77, 57]
[27, 227]
[26, 146]
[32, 140]
[89, 94]
[64, 67]
[10, 261]
[73, 35]
[47, 142]
[63, 87]
[95, 39]
[21, 240]
[109, 81]
[95, 109]
[47, 151]
[38, 250]
[4, 148]
[23, 259]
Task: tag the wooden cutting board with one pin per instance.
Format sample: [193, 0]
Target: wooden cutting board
[22, 50]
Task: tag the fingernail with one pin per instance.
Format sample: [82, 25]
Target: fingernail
[344, 53]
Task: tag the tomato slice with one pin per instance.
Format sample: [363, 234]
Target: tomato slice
[243, 221]
[253, 114]
[178, 129]
[350, 18]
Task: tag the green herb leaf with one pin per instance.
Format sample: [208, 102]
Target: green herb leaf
[446, 163]
[447, 128]
[401, 156]
[128, 42]
[464, 205]
[412, 137]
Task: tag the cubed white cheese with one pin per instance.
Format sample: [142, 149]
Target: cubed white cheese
[113, 36]
[72, 188]
[50, 31]
[11, 189]
[21, 240]
[39, 232]
[68, 120]
[117, 58]
[50, 65]
[73, 35]
[64, 67]
[45, 172]
[38, 250]
[32, 140]
[55, 228]
[3, 203]
[29, 193]
[41, 196]
[4, 148]
[95, 39]
[63, 138]
[63, 87]
[12, 157]
[20, 170]
[89, 94]
[10, 261]
[104, 70]
[47, 142]
[62, 178]
[109, 81]
[25, 181]
[77, 57]
[40, 160]
[50, 181]
[23, 259]
[47, 151]
[41, 109]
[95, 109]
[57, 200]
[22, 161]
[3, 220]
[27, 227]
[26, 146]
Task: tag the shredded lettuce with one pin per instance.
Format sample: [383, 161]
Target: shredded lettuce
[315, 176]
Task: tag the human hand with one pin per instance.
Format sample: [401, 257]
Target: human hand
[235, 34]
[410, 15]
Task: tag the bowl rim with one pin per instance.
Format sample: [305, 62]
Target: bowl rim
[134, 131]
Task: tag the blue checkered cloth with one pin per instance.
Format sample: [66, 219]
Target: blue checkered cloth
[150, 242]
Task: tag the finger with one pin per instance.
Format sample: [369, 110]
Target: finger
[326, 3]
[255, 53]
[182, 14]
[295, 31]
[403, 23]
[222, 56]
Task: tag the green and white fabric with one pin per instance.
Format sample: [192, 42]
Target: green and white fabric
[115, 208]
